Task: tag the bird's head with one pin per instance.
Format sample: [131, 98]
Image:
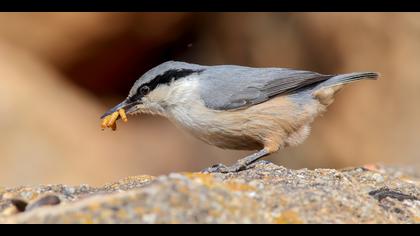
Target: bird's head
[152, 91]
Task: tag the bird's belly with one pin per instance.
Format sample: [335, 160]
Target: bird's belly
[247, 129]
[216, 131]
[223, 129]
[226, 140]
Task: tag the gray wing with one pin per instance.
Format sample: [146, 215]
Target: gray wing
[233, 87]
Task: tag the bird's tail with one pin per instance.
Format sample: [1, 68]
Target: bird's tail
[348, 78]
[326, 90]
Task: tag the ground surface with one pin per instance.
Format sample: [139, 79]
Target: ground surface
[265, 194]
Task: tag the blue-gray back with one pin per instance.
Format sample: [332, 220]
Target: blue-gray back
[231, 87]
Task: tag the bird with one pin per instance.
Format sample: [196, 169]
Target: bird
[263, 109]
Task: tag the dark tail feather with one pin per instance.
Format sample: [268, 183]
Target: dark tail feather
[348, 78]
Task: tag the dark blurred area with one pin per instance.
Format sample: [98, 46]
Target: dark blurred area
[61, 71]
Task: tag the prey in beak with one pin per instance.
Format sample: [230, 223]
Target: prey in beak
[109, 118]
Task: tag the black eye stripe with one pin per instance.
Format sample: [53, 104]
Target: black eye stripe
[166, 78]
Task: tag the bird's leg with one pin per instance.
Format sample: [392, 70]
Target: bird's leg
[240, 165]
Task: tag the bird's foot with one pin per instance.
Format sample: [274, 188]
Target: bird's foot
[242, 164]
[220, 168]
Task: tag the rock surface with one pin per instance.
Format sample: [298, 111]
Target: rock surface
[264, 194]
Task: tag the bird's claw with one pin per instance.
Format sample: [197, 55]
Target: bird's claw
[220, 168]
[237, 167]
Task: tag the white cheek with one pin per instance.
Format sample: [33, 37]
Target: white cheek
[151, 107]
[167, 100]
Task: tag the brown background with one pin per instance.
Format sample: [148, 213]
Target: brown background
[60, 71]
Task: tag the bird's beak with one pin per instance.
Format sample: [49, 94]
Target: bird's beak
[126, 105]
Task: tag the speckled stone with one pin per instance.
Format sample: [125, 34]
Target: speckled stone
[264, 194]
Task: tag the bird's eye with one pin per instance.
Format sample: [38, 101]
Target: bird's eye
[144, 90]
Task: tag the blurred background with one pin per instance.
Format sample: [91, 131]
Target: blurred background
[60, 71]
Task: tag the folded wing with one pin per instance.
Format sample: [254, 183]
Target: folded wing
[235, 87]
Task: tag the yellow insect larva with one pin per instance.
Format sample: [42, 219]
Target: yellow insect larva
[123, 115]
[105, 122]
[114, 126]
[113, 119]
[110, 121]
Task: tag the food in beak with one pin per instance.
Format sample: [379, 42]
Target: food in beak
[110, 121]
[123, 115]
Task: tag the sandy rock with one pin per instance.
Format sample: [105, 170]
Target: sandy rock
[264, 194]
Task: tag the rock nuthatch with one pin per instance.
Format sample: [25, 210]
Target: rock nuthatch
[236, 107]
